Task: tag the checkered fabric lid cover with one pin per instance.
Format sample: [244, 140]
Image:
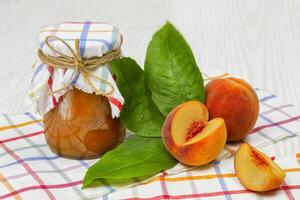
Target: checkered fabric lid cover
[96, 39]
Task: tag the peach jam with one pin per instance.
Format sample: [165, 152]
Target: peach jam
[81, 126]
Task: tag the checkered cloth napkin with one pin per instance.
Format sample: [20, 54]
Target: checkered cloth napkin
[96, 39]
[29, 170]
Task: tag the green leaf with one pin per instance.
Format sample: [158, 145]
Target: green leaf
[137, 157]
[139, 113]
[171, 71]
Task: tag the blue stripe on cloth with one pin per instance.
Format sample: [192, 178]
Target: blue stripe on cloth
[263, 134]
[114, 37]
[37, 70]
[107, 44]
[104, 76]
[105, 71]
[83, 37]
[108, 187]
[111, 190]
[267, 98]
[221, 180]
[30, 159]
[34, 118]
[76, 78]
[279, 126]
[85, 164]
[23, 148]
[103, 181]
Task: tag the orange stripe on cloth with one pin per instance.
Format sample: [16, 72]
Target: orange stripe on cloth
[57, 30]
[298, 155]
[9, 187]
[292, 170]
[2, 128]
[205, 177]
[186, 178]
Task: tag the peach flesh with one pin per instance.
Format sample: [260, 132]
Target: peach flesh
[236, 102]
[205, 146]
[210, 127]
[186, 115]
[255, 170]
[190, 138]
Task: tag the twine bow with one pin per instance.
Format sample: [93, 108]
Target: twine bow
[78, 63]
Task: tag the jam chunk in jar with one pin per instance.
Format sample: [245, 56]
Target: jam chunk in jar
[81, 126]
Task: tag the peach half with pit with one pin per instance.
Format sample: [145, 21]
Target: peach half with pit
[190, 137]
[255, 170]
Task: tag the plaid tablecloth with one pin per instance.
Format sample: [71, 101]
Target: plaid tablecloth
[29, 170]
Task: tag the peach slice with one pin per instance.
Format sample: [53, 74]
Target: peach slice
[190, 138]
[255, 170]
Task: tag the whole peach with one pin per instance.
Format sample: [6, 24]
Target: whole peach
[236, 102]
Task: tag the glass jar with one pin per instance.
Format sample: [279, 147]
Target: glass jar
[81, 126]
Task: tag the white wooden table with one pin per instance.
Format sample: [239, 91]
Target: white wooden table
[253, 39]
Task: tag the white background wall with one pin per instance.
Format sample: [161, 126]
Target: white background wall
[258, 40]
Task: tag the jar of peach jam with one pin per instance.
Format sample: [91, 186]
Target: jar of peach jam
[75, 91]
[81, 126]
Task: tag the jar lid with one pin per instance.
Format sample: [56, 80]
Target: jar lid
[93, 40]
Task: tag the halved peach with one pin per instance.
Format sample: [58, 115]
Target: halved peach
[255, 170]
[190, 138]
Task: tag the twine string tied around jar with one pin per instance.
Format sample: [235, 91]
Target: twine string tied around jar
[79, 64]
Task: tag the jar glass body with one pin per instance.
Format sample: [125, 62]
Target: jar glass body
[81, 126]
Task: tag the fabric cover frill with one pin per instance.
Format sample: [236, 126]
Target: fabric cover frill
[96, 39]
